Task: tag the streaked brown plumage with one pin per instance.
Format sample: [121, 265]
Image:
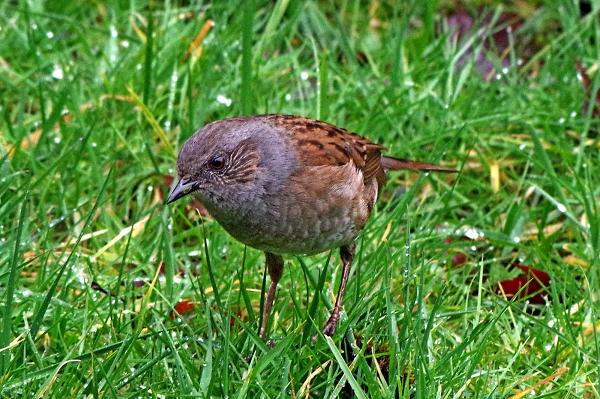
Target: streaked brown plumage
[287, 185]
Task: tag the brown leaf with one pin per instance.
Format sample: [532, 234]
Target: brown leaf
[195, 48]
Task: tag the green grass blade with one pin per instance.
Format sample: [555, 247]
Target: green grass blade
[11, 286]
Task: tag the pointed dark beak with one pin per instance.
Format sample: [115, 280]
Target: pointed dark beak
[183, 188]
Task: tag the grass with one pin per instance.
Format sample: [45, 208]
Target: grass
[96, 99]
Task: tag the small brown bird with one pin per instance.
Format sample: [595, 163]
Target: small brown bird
[286, 184]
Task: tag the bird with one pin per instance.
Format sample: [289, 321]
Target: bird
[286, 184]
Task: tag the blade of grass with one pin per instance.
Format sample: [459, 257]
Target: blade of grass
[37, 321]
[160, 133]
[206, 375]
[149, 56]
[11, 285]
[211, 275]
[312, 309]
[357, 390]
[246, 94]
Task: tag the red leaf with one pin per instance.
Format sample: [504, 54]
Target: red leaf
[537, 274]
[459, 259]
[233, 320]
[533, 286]
[182, 307]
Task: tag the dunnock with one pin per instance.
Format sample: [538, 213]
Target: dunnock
[287, 185]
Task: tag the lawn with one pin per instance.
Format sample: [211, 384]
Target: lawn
[479, 284]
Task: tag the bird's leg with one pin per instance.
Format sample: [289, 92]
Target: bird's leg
[347, 254]
[275, 270]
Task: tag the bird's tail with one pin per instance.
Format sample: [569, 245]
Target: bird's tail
[391, 163]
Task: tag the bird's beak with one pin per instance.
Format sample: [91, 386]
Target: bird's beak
[183, 188]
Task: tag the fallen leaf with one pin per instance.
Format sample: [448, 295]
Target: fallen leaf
[533, 286]
[182, 307]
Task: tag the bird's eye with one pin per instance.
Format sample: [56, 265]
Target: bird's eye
[217, 163]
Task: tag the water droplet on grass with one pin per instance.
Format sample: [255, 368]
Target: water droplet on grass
[473, 234]
[223, 100]
[57, 73]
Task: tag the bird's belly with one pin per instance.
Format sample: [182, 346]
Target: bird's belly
[308, 228]
[306, 215]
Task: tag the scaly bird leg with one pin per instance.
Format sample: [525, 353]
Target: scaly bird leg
[275, 270]
[347, 254]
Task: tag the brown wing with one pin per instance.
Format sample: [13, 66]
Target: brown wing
[322, 144]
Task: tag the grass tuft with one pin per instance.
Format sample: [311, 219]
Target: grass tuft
[479, 284]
